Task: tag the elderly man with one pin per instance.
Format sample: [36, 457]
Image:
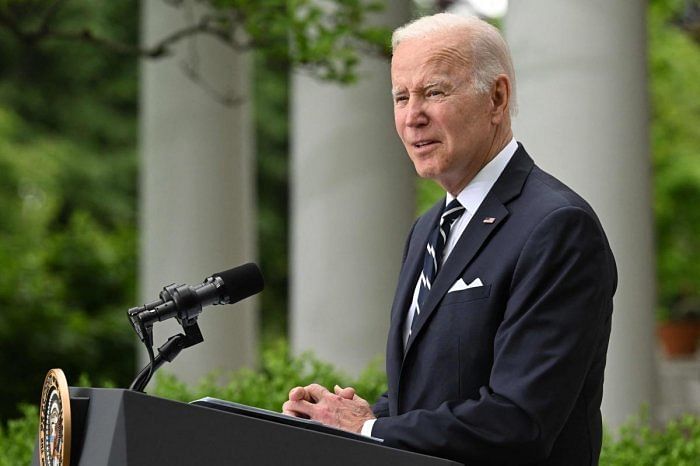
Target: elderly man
[501, 319]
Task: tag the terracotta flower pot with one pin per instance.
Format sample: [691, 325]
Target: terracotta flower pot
[679, 338]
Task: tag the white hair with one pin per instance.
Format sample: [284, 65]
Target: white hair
[487, 49]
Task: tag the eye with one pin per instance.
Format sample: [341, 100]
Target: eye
[400, 99]
[435, 93]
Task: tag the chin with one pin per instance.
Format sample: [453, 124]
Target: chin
[426, 171]
[422, 167]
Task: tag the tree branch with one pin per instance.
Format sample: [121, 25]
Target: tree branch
[206, 26]
[48, 15]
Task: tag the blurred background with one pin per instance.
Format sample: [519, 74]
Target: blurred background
[146, 143]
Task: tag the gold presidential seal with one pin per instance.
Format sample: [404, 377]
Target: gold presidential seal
[54, 421]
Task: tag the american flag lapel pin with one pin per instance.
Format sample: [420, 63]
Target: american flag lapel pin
[489, 219]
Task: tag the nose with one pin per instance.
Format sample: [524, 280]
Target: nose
[415, 112]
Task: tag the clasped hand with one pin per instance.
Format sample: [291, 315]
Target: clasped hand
[342, 409]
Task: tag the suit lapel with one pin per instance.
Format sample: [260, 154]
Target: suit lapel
[475, 236]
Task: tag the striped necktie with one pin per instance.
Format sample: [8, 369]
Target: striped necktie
[433, 254]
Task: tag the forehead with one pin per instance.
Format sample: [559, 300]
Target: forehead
[416, 61]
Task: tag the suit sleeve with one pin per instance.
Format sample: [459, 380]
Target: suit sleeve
[555, 323]
[381, 407]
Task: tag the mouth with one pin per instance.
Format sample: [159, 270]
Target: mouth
[424, 143]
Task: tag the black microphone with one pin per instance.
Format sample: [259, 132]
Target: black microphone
[185, 302]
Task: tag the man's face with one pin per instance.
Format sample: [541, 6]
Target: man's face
[444, 124]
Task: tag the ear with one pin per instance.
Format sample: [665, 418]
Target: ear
[500, 99]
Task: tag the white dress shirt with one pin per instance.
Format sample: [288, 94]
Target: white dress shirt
[471, 198]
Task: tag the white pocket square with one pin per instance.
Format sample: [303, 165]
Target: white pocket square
[461, 285]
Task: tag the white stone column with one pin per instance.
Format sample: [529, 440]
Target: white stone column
[581, 71]
[352, 207]
[197, 187]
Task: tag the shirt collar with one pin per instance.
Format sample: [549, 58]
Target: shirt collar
[474, 193]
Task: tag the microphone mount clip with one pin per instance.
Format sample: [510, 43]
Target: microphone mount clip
[175, 301]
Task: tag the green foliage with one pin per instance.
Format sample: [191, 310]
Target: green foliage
[68, 263]
[639, 444]
[69, 87]
[18, 437]
[269, 386]
[428, 192]
[674, 64]
[68, 199]
[327, 36]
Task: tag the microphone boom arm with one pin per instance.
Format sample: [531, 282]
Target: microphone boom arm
[168, 352]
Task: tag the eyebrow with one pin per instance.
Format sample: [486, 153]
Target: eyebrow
[435, 83]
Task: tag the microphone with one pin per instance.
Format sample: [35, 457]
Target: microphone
[185, 302]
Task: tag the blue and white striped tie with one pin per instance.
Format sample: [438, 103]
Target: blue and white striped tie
[433, 254]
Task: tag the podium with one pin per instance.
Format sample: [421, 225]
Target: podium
[116, 427]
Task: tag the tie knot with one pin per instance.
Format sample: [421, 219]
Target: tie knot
[453, 210]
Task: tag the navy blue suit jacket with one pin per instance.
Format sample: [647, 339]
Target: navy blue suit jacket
[510, 372]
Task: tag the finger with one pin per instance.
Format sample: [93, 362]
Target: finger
[286, 410]
[298, 408]
[359, 398]
[347, 392]
[316, 391]
[298, 394]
